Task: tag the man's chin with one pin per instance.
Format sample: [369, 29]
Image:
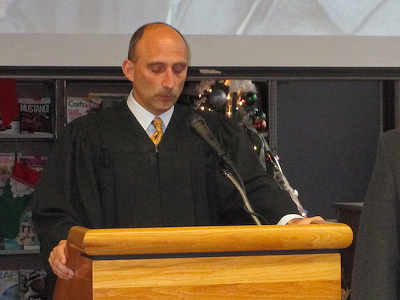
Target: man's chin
[164, 106]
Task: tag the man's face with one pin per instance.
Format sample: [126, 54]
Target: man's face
[160, 68]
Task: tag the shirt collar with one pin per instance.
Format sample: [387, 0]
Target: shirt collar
[145, 117]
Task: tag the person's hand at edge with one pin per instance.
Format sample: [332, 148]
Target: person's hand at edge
[58, 260]
[305, 221]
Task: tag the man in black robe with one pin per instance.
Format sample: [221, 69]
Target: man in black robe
[376, 271]
[105, 172]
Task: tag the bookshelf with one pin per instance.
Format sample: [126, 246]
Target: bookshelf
[57, 85]
[280, 100]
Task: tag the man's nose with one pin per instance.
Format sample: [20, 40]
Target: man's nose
[169, 80]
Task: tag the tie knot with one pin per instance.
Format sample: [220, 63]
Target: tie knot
[156, 136]
[157, 123]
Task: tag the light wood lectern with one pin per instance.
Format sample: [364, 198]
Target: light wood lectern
[223, 262]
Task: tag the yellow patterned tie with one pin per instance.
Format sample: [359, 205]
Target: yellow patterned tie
[156, 136]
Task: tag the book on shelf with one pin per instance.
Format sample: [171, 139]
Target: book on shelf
[35, 115]
[26, 241]
[9, 285]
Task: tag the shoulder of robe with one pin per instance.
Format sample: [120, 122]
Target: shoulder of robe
[93, 125]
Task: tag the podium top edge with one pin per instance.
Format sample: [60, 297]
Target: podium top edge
[164, 240]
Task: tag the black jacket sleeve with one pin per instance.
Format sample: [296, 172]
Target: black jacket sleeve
[68, 177]
[376, 271]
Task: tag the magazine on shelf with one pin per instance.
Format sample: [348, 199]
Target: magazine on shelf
[31, 284]
[13, 128]
[80, 106]
[35, 115]
[34, 162]
[109, 99]
[9, 285]
[26, 241]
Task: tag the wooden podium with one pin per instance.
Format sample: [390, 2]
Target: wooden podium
[223, 262]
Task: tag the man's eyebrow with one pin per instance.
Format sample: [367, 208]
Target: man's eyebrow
[156, 63]
[161, 62]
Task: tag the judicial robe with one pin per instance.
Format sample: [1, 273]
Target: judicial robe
[105, 172]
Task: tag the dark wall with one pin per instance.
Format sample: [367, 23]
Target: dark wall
[327, 133]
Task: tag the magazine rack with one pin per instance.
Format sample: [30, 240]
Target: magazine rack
[223, 262]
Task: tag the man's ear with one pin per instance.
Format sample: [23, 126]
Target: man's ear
[128, 69]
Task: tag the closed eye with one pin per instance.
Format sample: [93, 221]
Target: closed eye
[179, 68]
[158, 68]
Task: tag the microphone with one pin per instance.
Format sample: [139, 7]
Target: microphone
[198, 125]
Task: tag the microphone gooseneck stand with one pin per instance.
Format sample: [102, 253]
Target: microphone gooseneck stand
[242, 192]
[198, 125]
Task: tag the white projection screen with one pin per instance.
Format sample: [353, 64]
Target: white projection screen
[226, 33]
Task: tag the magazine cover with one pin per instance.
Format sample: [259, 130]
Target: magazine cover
[31, 284]
[109, 99]
[26, 239]
[78, 106]
[35, 162]
[9, 285]
[6, 165]
[35, 115]
[13, 128]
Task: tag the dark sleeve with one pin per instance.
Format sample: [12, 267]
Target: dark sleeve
[67, 193]
[376, 261]
[264, 194]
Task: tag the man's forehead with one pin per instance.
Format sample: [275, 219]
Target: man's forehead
[160, 53]
[162, 37]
